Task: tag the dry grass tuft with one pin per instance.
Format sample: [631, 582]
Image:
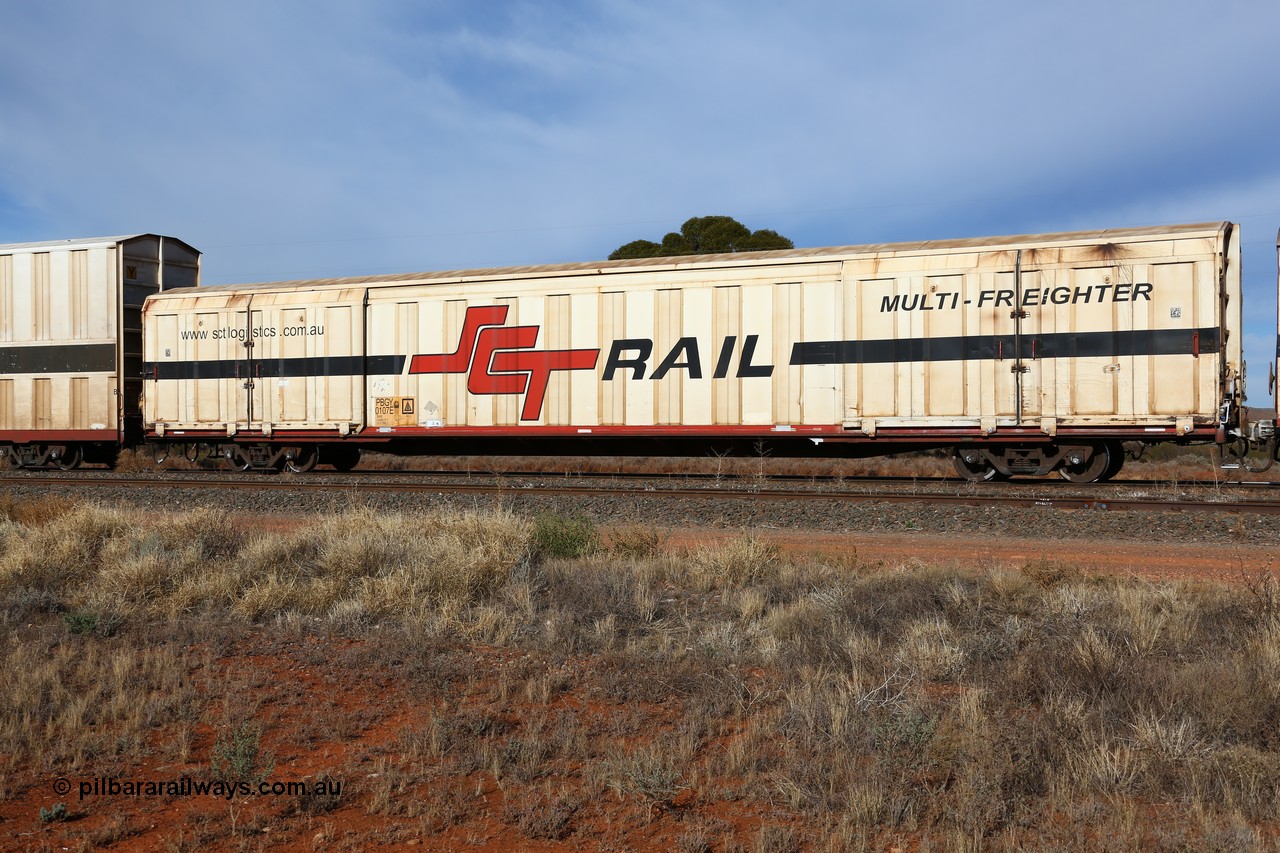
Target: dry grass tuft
[638, 541]
[913, 704]
[37, 511]
[741, 561]
[361, 564]
[67, 702]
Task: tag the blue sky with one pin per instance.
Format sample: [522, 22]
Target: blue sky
[322, 138]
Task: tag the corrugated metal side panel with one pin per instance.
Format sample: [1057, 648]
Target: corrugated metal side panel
[342, 337]
[1153, 296]
[668, 334]
[945, 388]
[42, 404]
[79, 414]
[558, 332]
[302, 370]
[726, 393]
[698, 324]
[41, 296]
[208, 396]
[924, 340]
[526, 311]
[6, 297]
[585, 310]
[680, 353]
[613, 394]
[78, 295]
[757, 321]
[58, 326]
[640, 305]
[160, 336]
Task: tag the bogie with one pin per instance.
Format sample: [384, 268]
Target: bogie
[1080, 463]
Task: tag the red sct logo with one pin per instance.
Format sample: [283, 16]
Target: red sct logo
[498, 359]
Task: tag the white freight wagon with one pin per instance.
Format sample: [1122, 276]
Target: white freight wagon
[71, 342]
[1025, 354]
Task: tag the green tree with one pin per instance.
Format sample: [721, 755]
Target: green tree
[705, 235]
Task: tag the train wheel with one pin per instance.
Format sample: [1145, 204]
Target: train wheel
[343, 457]
[1090, 469]
[70, 458]
[304, 461]
[974, 467]
[1117, 462]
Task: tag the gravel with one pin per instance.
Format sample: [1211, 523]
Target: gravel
[633, 504]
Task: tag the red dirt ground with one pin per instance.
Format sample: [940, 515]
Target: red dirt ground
[1147, 560]
[298, 692]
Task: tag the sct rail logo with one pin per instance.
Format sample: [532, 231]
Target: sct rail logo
[498, 359]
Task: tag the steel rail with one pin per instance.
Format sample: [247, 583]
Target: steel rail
[1048, 481]
[357, 485]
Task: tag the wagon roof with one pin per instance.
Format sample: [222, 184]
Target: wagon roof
[85, 243]
[685, 262]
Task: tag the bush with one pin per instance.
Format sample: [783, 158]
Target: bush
[567, 538]
[54, 814]
[238, 757]
[637, 541]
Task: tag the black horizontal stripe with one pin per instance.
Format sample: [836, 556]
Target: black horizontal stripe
[341, 365]
[58, 358]
[1113, 344]
[958, 348]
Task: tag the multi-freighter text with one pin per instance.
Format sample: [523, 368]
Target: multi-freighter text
[1031, 297]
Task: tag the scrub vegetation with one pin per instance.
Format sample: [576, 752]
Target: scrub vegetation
[489, 679]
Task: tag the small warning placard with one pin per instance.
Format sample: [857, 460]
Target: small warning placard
[394, 411]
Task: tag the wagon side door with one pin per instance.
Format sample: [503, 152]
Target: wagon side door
[1017, 325]
[310, 360]
[246, 367]
[1094, 369]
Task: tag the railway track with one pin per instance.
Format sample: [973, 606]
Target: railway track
[1049, 482]
[1112, 497]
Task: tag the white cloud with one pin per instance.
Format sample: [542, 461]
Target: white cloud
[325, 138]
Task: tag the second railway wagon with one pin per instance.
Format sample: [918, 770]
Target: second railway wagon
[71, 342]
[1021, 354]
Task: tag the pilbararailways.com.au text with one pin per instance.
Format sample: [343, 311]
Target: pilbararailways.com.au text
[186, 786]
